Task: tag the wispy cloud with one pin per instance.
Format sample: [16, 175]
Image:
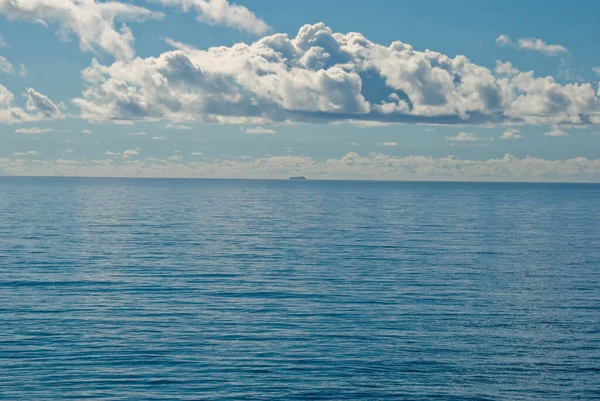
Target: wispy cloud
[260, 131]
[463, 137]
[511, 134]
[6, 67]
[222, 12]
[22, 70]
[130, 153]
[177, 126]
[504, 40]
[556, 131]
[390, 144]
[28, 153]
[33, 130]
[534, 44]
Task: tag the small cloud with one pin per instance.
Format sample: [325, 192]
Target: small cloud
[534, 44]
[387, 144]
[353, 144]
[158, 138]
[3, 42]
[175, 157]
[86, 131]
[177, 126]
[511, 134]
[503, 40]
[109, 153]
[129, 153]
[260, 131]
[556, 131]
[69, 151]
[63, 161]
[6, 66]
[368, 124]
[33, 130]
[539, 45]
[122, 122]
[22, 70]
[197, 154]
[596, 70]
[28, 153]
[463, 137]
[141, 133]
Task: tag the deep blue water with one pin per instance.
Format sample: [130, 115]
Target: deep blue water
[258, 290]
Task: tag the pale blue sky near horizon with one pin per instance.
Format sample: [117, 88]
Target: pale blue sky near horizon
[54, 68]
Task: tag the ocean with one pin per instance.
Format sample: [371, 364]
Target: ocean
[161, 289]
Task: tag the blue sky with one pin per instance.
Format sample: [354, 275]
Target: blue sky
[261, 88]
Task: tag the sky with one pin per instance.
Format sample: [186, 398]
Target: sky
[392, 90]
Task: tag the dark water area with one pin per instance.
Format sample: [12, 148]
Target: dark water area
[127, 289]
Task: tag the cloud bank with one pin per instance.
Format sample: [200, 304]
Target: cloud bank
[322, 76]
[350, 166]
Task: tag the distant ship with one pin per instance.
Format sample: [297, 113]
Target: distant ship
[298, 178]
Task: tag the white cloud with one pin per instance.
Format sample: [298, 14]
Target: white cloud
[321, 76]
[260, 131]
[129, 153]
[534, 44]
[158, 138]
[41, 105]
[354, 144]
[91, 21]
[504, 40]
[141, 133]
[556, 131]
[22, 70]
[177, 126]
[28, 153]
[197, 154]
[174, 157]
[109, 153]
[506, 69]
[596, 70]
[3, 42]
[350, 166]
[221, 12]
[388, 144]
[86, 131]
[463, 137]
[66, 162]
[511, 134]
[33, 130]
[5, 66]
[539, 45]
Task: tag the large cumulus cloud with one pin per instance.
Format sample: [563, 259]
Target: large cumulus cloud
[320, 75]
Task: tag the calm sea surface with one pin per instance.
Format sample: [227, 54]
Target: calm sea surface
[259, 290]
